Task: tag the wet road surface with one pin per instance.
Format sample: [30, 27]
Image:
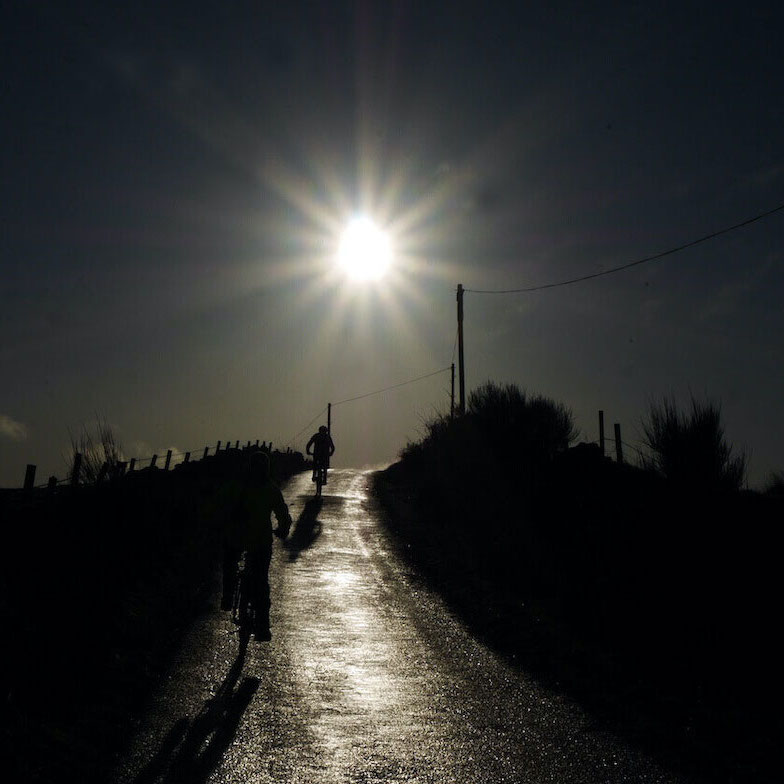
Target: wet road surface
[368, 678]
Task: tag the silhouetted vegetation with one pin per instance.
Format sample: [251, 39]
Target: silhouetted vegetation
[505, 435]
[690, 448]
[99, 582]
[101, 453]
[648, 593]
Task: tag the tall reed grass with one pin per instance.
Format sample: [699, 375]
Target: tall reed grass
[690, 448]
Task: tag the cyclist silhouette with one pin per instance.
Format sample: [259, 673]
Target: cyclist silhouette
[249, 530]
[322, 448]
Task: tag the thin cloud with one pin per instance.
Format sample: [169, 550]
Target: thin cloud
[12, 429]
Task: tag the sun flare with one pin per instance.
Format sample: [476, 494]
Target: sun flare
[365, 252]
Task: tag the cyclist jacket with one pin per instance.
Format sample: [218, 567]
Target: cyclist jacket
[323, 447]
[250, 526]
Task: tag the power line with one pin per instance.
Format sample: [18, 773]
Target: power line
[669, 252]
[393, 386]
[320, 414]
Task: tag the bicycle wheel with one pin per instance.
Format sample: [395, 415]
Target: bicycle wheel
[242, 610]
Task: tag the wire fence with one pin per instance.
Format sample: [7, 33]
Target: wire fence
[643, 454]
[169, 459]
[165, 460]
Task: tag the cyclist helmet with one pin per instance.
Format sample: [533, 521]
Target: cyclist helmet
[260, 465]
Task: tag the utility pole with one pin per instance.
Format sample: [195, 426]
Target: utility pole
[601, 431]
[452, 396]
[461, 366]
[618, 444]
[329, 418]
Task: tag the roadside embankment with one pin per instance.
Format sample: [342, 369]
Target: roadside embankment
[655, 607]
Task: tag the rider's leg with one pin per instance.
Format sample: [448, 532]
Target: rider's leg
[259, 562]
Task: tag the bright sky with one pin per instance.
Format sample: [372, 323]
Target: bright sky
[176, 183]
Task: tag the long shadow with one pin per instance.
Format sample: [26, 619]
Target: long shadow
[192, 750]
[306, 530]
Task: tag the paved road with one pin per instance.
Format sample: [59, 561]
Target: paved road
[368, 678]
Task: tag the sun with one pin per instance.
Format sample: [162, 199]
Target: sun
[365, 252]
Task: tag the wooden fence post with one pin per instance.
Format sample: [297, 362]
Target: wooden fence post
[237, 445]
[29, 482]
[217, 448]
[77, 464]
[132, 465]
[168, 460]
[153, 461]
[206, 450]
[187, 457]
[601, 431]
[618, 444]
[257, 443]
[121, 468]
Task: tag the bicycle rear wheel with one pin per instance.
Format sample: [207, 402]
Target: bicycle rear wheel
[242, 609]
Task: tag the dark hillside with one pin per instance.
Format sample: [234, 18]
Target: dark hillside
[654, 604]
[99, 583]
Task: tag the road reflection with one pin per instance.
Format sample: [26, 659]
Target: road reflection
[344, 656]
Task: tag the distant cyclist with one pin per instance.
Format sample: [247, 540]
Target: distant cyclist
[322, 448]
[250, 531]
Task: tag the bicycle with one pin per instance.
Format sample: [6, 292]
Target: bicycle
[319, 477]
[243, 612]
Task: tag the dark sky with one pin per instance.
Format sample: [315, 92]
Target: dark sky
[174, 183]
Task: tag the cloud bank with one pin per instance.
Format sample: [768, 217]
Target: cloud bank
[10, 428]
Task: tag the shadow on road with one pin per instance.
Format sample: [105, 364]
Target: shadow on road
[306, 530]
[192, 750]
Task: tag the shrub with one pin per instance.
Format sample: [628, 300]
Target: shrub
[689, 448]
[103, 449]
[521, 427]
[504, 433]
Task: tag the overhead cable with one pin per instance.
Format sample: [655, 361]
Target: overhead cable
[393, 386]
[320, 414]
[656, 256]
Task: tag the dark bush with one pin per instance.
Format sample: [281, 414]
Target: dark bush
[519, 427]
[102, 453]
[502, 424]
[689, 448]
